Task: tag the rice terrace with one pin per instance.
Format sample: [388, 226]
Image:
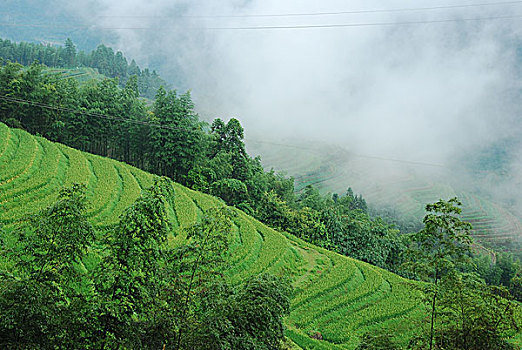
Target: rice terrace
[335, 295]
[260, 175]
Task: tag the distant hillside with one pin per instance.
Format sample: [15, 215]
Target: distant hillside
[339, 297]
[47, 22]
[387, 184]
[82, 75]
[103, 60]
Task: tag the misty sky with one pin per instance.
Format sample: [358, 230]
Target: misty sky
[421, 91]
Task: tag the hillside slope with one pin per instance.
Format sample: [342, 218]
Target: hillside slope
[339, 297]
[399, 185]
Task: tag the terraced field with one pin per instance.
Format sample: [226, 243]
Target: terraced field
[82, 75]
[337, 296]
[387, 183]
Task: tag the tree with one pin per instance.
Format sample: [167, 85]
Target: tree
[129, 279]
[473, 315]
[311, 198]
[274, 211]
[199, 178]
[232, 191]
[438, 248]
[45, 294]
[352, 202]
[198, 264]
[378, 340]
[369, 240]
[178, 146]
[259, 308]
[228, 139]
[69, 57]
[63, 286]
[515, 287]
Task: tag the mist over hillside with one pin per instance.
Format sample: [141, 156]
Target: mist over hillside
[48, 22]
[385, 210]
[435, 83]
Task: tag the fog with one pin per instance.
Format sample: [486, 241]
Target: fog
[422, 92]
[418, 91]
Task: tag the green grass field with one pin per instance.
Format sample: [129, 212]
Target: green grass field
[339, 297]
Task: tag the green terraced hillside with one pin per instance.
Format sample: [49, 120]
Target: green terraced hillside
[339, 297]
[81, 74]
[407, 188]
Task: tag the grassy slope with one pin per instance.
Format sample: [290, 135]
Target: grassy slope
[407, 190]
[81, 74]
[340, 297]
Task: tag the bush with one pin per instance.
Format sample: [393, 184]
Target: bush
[232, 191]
[380, 340]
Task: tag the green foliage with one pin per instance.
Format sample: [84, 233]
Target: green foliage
[352, 202]
[337, 296]
[199, 178]
[442, 244]
[259, 308]
[43, 295]
[128, 279]
[475, 316]
[274, 211]
[232, 191]
[515, 287]
[215, 162]
[504, 270]
[334, 225]
[472, 315]
[60, 287]
[437, 249]
[104, 59]
[465, 313]
[228, 137]
[178, 147]
[311, 198]
[381, 340]
[305, 223]
[368, 240]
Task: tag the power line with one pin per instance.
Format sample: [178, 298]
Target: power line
[396, 160]
[358, 155]
[369, 24]
[333, 13]
[91, 114]
[122, 119]
[311, 14]
[281, 27]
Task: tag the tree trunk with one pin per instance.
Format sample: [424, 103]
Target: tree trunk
[433, 310]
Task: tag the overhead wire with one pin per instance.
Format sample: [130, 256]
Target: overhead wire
[368, 24]
[358, 155]
[272, 27]
[331, 13]
[325, 13]
[123, 119]
[91, 114]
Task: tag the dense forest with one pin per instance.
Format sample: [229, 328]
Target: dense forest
[104, 59]
[167, 138]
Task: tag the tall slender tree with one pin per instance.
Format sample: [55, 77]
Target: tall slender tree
[444, 242]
